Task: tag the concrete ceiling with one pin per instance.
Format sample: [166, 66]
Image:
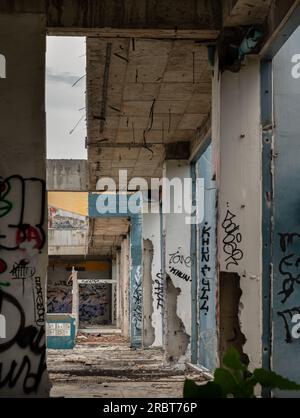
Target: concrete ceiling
[107, 235]
[142, 95]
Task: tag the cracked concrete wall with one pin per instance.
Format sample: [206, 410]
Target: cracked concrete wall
[240, 194]
[178, 269]
[124, 287]
[148, 329]
[152, 233]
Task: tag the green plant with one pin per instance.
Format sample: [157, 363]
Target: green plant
[235, 380]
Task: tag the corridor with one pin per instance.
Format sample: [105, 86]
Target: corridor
[106, 367]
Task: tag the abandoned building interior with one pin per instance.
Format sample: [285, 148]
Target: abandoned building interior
[126, 303]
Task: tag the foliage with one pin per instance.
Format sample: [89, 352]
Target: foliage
[236, 381]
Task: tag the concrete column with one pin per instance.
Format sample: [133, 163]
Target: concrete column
[118, 290]
[237, 154]
[177, 315]
[153, 279]
[125, 275]
[23, 206]
[75, 297]
[114, 276]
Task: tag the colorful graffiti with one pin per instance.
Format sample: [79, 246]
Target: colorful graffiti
[22, 240]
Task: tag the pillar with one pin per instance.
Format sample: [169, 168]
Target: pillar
[237, 155]
[23, 206]
[178, 263]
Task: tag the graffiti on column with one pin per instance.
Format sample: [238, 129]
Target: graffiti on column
[232, 240]
[159, 290]
[205, 269]
[179, 265]
[137, 299]
[22, 239]
[114, 301]
[289, 270]
[27, 337]
[26, 236]
[289, 266]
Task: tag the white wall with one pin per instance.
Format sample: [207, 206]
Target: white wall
[151, 231]
[178, 241]
[240, 194]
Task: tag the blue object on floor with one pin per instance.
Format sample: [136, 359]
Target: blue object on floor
[61, 331]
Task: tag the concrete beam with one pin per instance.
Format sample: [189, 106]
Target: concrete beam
[130, 17]
[245, 12]
[283, 19]
[67, 175]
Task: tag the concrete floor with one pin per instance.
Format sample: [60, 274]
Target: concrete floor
[105, 367]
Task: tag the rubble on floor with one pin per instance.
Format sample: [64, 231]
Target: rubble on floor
[106, 367]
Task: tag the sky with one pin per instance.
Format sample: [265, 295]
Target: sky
[66, 63]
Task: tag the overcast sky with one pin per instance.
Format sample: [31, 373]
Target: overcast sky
[66, 63]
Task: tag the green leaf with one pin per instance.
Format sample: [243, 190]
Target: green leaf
[232, 360]
[271, 380]
[210, 390]
[226, 381]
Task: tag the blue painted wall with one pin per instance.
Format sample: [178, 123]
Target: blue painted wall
[117, 207]
[207, 277]
[286, 242]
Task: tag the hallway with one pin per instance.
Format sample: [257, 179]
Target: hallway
[105, 367]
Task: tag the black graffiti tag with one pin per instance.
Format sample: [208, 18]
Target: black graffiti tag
[30, 338]
[232, 240]
[205, 259]
[159, 290]
[177, 258]
[24, 232]
[289, 265]
[137, 300]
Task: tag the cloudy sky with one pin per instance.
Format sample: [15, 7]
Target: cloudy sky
[66, 63]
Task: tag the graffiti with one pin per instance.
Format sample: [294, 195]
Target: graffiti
[59, 219]
[27, 236]
[180, 274]
[159, 290]
[26, 337]
[94, 304]
[3, 266]
[205, 258]
[287, 317]
[114, 313]
[177, 258]
[39, 302]
[4, 284]
[59, 300]
[137, 299]
[22, 271]
[232, 240]
[289, 266]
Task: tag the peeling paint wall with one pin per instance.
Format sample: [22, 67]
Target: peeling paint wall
[152, 233]
[239, 223]
[148, 329]
[178, 268]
